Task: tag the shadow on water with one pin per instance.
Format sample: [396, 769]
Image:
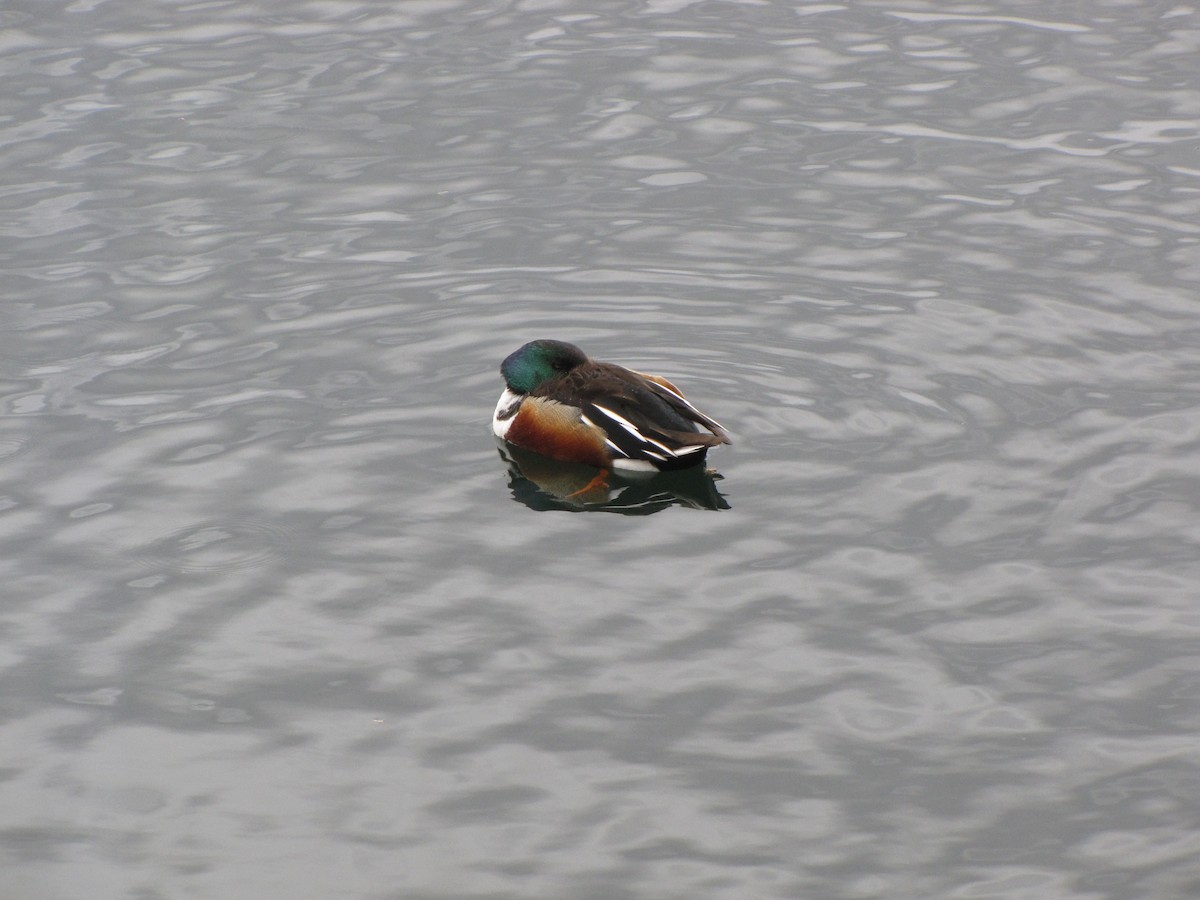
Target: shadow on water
[542, 484]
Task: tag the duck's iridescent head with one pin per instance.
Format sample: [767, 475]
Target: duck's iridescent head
[530, 367]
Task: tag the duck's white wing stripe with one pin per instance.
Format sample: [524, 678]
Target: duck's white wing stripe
[590, 424]
[633, 430]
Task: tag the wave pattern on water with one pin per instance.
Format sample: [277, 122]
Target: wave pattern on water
[269, 598]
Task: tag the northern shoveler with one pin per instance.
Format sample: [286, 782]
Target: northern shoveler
[559, 403]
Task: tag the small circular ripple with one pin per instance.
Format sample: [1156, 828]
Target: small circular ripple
[215, 547]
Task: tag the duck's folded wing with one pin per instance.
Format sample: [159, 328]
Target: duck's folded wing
[680, 404]
[652, 422]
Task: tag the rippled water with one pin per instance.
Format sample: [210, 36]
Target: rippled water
[278, 621]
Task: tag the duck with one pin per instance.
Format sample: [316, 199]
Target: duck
[561, 404]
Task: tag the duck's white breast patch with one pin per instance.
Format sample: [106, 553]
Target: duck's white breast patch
[506, 411]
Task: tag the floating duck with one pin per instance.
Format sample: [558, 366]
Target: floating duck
[561, 404]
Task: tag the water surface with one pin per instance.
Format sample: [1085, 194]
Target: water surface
[278, 624]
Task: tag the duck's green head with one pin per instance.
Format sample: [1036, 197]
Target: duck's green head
[537, 362]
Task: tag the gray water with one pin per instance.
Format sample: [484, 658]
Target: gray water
[278, 621]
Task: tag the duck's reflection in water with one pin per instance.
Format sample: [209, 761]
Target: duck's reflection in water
[542, 483]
